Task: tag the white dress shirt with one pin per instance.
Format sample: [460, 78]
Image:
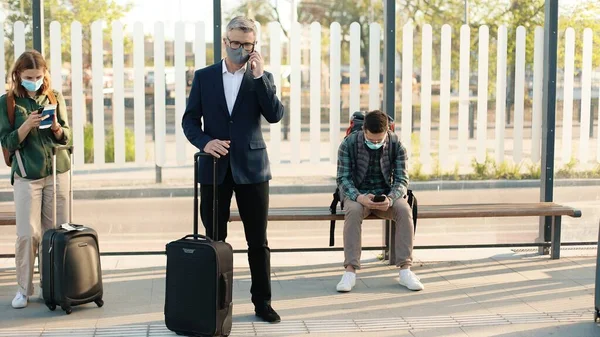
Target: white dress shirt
[231, 85]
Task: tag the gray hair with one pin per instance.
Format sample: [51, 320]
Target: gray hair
[242, 23]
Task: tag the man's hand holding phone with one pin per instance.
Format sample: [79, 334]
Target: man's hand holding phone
[370, 201]
[379, 198]
[256, 64]
[381, 202]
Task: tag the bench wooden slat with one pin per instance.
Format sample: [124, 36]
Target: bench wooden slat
[430, 211]
[425, 212]
[7, 219]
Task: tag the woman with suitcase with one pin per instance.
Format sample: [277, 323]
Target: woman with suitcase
[27, 144]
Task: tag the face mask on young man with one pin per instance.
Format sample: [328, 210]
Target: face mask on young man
[374, 145]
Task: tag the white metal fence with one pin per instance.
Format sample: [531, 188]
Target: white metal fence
[445, 138]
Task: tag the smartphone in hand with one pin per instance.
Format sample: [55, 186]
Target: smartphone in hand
[47, 116]
[379, 198]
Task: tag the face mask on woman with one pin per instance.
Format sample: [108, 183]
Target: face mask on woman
[31, 85]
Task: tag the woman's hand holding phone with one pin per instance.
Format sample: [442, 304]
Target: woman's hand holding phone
[34, 119]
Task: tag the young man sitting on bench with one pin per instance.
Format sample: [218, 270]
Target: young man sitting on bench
[372, 178]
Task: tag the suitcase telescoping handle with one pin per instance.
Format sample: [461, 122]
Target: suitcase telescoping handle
[55, 150]
[215, 202]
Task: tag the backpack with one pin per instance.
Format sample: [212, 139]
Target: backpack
[10, 111]
[358, 119]
[356, 123]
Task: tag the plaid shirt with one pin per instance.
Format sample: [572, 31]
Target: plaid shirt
[374, 181]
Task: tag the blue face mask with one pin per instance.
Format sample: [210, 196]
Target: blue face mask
[32, 86]
[373, 146]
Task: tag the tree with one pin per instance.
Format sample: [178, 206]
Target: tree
[583, 14]
[345, 12]
[262, 11]
[86, 12]
[65, 12]
[435, 13]
[528, 14]
[492, 13]
[20, 10]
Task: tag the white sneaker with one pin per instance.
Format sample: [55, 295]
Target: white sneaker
[20, 301]
[347, 282]
[410, 280]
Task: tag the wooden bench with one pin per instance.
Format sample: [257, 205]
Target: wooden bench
[550, 209]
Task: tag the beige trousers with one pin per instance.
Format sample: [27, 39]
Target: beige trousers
[33, 206]
[400, 213]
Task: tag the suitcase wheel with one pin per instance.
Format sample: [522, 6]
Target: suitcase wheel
[51, 306]
[99, 303]
[68, 310]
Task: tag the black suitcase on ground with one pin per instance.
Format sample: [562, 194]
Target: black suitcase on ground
[199, 281]
[597, 295]
[71, 271]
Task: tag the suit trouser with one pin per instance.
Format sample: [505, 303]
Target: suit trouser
[33, 211]
[253, 204]
[400, 213]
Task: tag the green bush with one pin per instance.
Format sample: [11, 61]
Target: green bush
[506, 170]
[455, 173]
[534, 171]
[416, 172]
[109, 144]
[88, 143]
[437, 168]
[568, 170]
[482, 170]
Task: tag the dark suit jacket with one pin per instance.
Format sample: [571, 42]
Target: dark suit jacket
[248, 152]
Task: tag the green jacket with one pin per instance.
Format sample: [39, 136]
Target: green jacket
[32, 159]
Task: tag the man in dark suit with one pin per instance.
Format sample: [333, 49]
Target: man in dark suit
[231, 96]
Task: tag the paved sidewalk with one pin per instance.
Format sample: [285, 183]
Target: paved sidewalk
[140, 182]
[491, 292]
[91, 176]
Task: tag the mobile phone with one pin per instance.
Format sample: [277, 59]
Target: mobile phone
[379, 198]
[47, 116]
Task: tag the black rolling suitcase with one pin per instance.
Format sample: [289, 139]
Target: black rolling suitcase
[71, 271]
[597, 295]
[199, 282]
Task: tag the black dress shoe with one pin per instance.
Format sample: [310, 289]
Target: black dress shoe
[267, 314]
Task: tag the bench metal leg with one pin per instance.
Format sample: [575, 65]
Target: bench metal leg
[385, 225]
[545, 234]
[392, 242]
[555, 244]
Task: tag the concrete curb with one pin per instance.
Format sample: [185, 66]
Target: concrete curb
[179, 191]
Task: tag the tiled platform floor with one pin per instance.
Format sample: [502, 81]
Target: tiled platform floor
[466, 294]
